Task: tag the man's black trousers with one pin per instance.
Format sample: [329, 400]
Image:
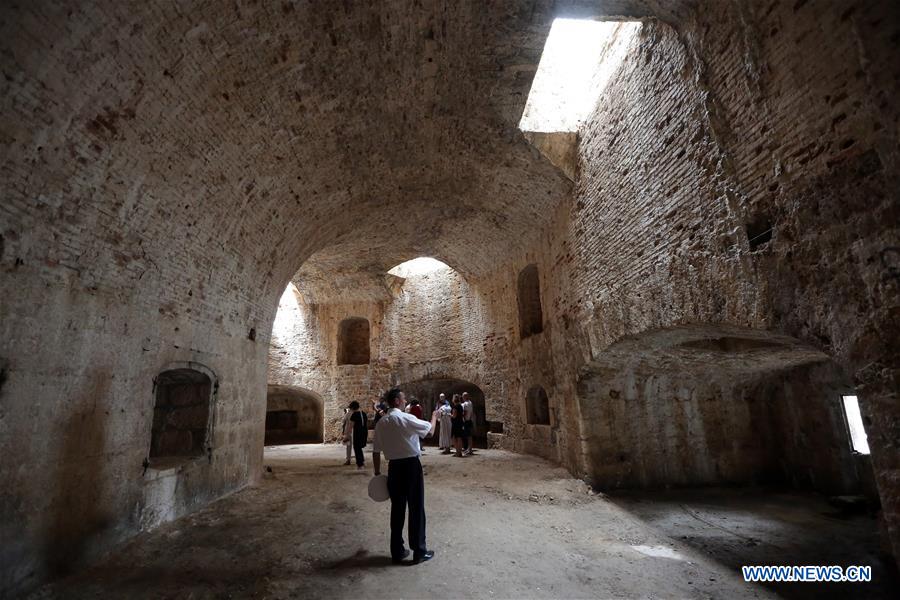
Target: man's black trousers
[406, 485]
[360, 455]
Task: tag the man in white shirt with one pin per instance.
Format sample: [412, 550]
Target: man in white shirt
[397, 434]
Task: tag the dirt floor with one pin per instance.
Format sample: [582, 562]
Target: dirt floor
[503, 526]
[764, 527]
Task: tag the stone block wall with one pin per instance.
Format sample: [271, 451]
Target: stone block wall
[148, 221]
[744, 114]
[77, 414]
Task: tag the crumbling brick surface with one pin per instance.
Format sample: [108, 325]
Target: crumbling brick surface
[166, 172]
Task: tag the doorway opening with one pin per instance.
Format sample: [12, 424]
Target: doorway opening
[427, 392]
[294, 415]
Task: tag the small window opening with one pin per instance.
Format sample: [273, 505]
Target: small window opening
[418, 266]
[859, 441]
[180, 414]
[538, 406]
[531, 318]
[759, 232]
[353, 341]
[579, 59]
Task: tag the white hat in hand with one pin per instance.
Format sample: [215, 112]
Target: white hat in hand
[378, 488]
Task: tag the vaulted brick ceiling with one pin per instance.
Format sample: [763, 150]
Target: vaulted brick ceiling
[253, 136]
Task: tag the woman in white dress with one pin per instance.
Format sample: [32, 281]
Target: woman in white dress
[345, 427]
[445, 410]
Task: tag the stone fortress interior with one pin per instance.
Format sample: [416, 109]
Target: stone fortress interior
[683, 281]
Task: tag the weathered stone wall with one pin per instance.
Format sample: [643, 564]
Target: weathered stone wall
[659, 429]
[652, 424]
[727, 120]
[77, 409]
[309, 415]
[165, 172]
[304, 355]
[434, 328]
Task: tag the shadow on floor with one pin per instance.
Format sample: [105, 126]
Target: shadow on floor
[145, 581]
[738, 527]
[361, 560]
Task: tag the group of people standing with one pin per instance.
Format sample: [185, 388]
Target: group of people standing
[456, 424]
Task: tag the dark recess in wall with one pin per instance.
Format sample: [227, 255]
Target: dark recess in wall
[759, 232]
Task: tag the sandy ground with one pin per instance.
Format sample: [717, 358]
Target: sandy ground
[503, 526]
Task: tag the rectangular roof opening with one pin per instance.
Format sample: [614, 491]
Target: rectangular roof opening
[580, 56]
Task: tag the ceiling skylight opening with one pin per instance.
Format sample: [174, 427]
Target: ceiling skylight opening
[579, 58]
[418, 266]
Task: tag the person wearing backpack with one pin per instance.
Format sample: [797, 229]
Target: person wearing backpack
[358, 433]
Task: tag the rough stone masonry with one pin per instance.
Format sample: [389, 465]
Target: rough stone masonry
[723, 267]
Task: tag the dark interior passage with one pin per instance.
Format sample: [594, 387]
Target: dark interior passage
[427, 391]
[293, 416]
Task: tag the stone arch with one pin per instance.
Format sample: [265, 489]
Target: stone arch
[353, 344]
[294, 415]
[531, 317]
[706, 403]
[427, 392]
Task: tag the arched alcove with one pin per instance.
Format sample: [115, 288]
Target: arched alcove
[705, 404]
[353, 342]
[531, 317]
[427, 391]
[537, 406]
[182, 408]
[294, 415]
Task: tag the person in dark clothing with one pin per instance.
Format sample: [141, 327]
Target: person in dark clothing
[380, 410]
[457, 425]
[358, 433]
